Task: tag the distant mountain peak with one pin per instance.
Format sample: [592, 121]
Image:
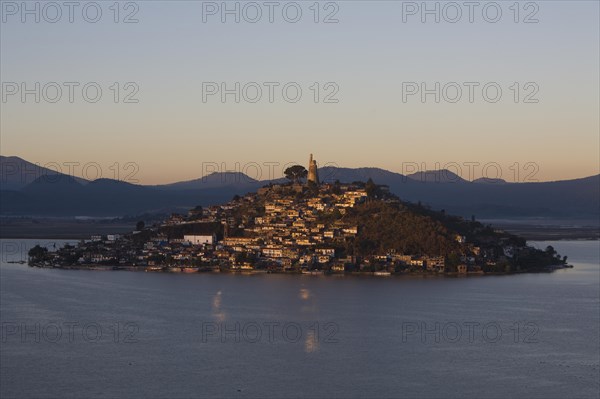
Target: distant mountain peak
[16, 173]
[229, 175]
[487, 180]
[107, 181]
[214, 180]
[436, 176]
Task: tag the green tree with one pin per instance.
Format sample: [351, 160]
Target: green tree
[313, 188]
[452, 261]
[37, 254]
[371, 189]
[337, 188]
[295, 173]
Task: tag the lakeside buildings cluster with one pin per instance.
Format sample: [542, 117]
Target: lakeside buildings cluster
[280, 228]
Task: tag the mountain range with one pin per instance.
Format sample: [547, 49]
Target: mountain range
[31, 190]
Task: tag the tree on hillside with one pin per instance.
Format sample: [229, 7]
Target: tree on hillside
[295, 173]
[37, 254]
[371, 189]
[313, 188]
[337, 188]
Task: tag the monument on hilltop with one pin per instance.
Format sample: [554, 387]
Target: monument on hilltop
[313, 174]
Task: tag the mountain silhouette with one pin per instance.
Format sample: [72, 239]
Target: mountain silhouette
[62, 195]
[16, 173]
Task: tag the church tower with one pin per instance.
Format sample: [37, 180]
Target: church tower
[313, 175]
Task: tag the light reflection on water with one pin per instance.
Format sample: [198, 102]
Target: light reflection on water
[367, 356]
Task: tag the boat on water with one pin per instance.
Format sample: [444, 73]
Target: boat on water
[382, 273]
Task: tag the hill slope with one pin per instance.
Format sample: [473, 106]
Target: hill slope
[16, 173]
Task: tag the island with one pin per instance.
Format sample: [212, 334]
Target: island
[306, 226]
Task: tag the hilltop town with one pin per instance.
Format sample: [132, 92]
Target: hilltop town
[310, 227]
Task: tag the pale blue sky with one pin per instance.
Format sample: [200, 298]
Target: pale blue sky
[368, 54]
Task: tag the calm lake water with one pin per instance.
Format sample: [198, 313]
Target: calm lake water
[125, 334]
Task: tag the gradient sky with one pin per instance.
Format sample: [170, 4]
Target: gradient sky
[171, 132]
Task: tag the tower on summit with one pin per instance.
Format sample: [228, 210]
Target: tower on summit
[313, 175]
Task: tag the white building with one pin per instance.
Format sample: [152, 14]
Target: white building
[200, 240]
[273, 252]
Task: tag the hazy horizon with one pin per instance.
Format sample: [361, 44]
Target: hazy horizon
[269, 170]
[175, 51]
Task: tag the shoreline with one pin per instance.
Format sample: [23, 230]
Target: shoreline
[313, 273]
[60, 232]
[552, 233]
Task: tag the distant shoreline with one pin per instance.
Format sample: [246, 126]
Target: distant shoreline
[65, 229]
[316, 273]
[551, 233]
